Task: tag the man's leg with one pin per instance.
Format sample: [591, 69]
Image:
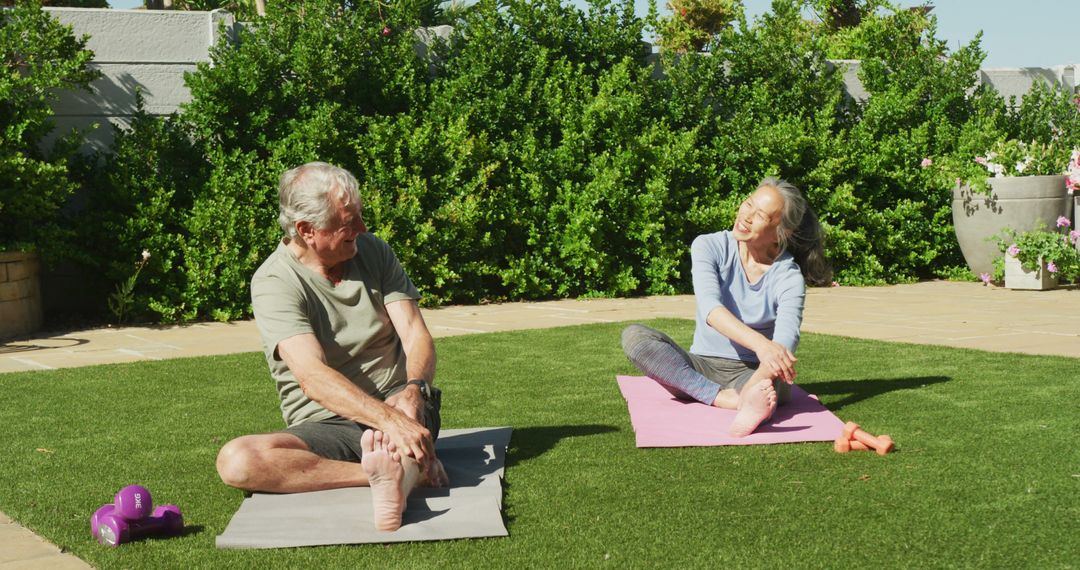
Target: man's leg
[283, 463]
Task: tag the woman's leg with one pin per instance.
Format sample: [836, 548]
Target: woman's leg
[663, 360]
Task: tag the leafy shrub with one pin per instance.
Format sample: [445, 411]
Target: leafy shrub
[199, 190]
[920, 99]
[39, 56]
[141, 194]
[517, 178]
[693, 23]
[537, 153]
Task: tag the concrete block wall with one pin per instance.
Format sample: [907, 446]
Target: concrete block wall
[149, 50]
[1008, 81]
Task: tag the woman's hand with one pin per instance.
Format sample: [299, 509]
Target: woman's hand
[777, 360]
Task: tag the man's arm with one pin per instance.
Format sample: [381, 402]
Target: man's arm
[415, 338]
[420, 358]
[419, 354]
[307, 361]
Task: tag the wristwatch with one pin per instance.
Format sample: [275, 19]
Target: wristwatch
[425, 388]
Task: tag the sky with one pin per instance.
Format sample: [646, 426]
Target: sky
[1016, 33]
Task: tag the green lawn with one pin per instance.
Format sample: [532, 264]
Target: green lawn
[987, 473]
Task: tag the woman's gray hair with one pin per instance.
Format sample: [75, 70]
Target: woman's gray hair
[307, 193]
[800, 232]
[792, 213]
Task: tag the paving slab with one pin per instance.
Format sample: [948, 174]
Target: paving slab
[20, 548]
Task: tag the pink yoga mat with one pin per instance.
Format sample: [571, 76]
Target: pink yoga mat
[661, 420]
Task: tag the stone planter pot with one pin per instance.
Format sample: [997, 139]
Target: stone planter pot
[1016, 277]
[20, 294]
[1076, 215]
[1020, 203]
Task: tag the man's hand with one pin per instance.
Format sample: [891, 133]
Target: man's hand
[410, 437]
[409, 401]
[777, 360]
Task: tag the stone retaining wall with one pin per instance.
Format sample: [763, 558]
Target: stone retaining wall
[20, 294]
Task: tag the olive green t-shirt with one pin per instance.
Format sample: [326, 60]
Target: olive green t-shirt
[349, 320]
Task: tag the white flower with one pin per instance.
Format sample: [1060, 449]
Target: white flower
[1022, 165]
[146, 255]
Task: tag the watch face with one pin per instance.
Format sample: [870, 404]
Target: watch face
[425, 390]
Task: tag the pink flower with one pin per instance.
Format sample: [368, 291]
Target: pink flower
[1074, 235]
[981, 160]
[985, 278]
[926, 162]
[1051, 267]
[1063, 222]
[835, 284]
[1013, 250]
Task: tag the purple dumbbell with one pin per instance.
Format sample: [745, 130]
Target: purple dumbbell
[133, 503]
[131, 518]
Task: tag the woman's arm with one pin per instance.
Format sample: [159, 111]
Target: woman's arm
[775, 358]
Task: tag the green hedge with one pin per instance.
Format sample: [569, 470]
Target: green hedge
[539, 154]
[39, 57]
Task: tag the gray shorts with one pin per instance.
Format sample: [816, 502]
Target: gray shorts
[338, 438]
[729, 373]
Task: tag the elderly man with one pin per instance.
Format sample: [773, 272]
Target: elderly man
[349, 350]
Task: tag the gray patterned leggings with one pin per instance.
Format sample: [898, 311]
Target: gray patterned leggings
[687, 375]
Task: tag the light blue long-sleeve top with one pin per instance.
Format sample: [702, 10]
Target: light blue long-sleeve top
[773, 306]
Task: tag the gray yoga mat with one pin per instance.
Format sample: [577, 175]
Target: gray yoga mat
[470, 507]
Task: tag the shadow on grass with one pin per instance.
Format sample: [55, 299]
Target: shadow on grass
[859, 390]
[193, 529]
[529, 442]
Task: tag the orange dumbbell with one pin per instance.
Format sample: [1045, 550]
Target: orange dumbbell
[844, 445]
[854, 435]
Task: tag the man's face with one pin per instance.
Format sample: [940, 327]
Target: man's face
[337, 241]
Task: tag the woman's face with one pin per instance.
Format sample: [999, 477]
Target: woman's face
[758, 217]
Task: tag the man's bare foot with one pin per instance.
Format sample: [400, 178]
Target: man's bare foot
[385, 475]
[756, 404]
[436, 475]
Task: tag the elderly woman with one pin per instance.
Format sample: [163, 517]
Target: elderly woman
[749, 284]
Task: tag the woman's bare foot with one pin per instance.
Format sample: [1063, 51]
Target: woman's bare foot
[756, 404]
[385, 475]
